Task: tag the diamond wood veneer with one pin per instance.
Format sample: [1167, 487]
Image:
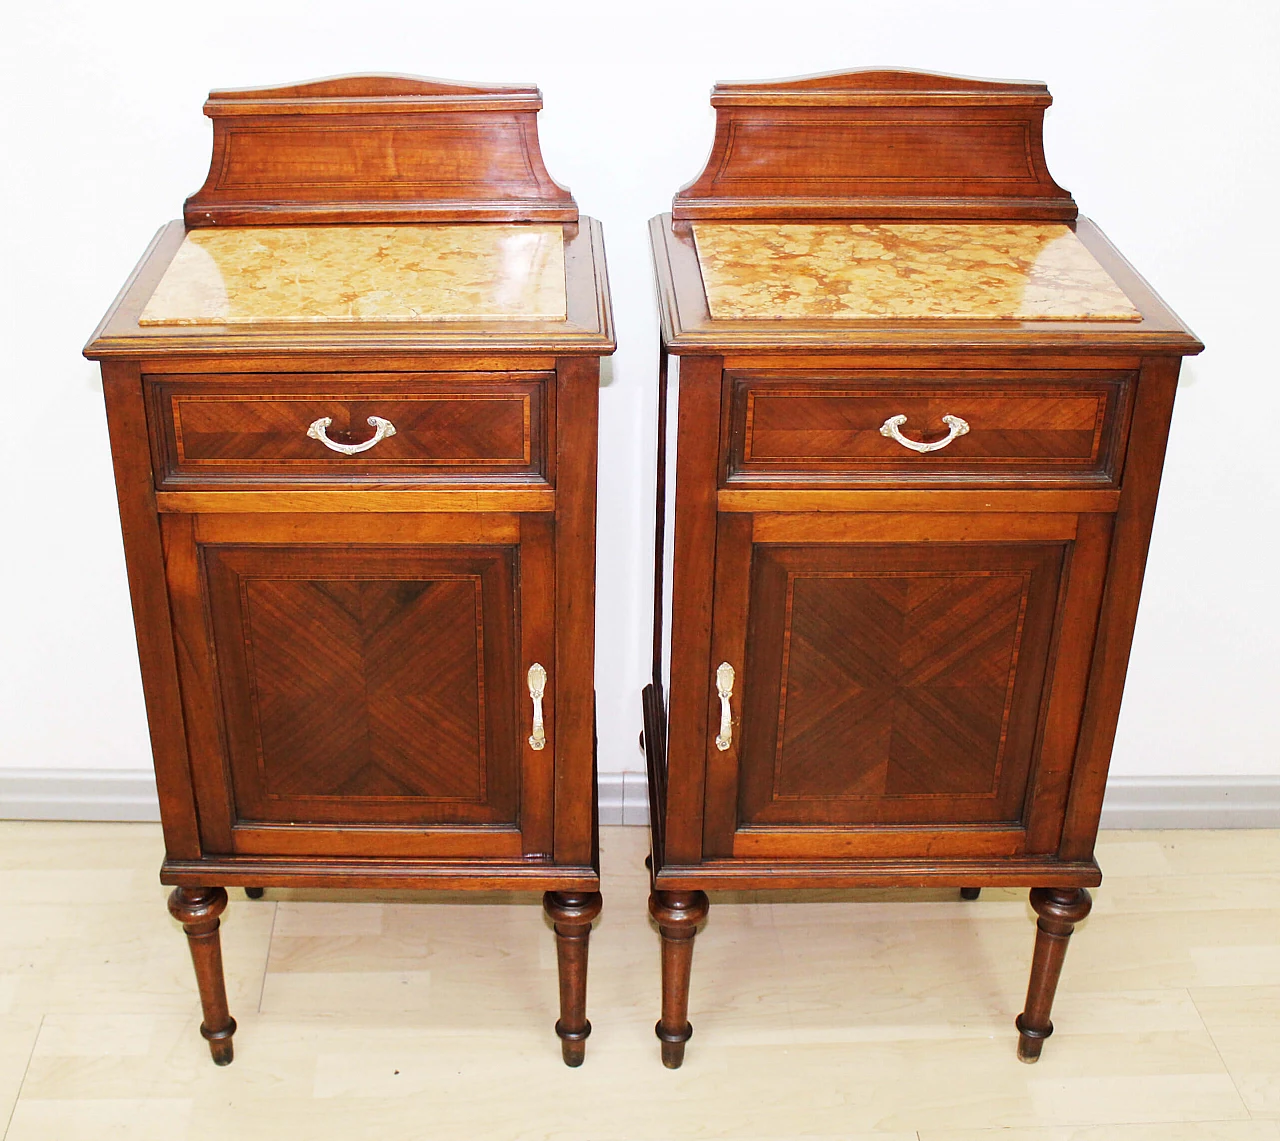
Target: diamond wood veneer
[893, 681]
[366, 683]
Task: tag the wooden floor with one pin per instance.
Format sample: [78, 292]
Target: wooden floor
[873, 1014]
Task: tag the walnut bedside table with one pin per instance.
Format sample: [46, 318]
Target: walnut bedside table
[907, 470]
[352, 406]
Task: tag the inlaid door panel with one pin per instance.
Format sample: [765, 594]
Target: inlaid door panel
[891, 685]
[370, 685]
[354, 684]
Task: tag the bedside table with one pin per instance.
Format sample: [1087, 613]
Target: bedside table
[353, 404]
[912, 421]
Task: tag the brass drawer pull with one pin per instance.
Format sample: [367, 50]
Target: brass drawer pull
[381, 430]
[724, 687]
[537, 687]
[890, 428]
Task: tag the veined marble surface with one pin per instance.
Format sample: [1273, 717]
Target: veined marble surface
[863, 271]
[483, 271]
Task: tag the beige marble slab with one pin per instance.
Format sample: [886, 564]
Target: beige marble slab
[254, 274]
[890, 271]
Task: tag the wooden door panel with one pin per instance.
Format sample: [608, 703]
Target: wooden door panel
[918, 695]
[368, 682]
[371, 687]
[894, 684]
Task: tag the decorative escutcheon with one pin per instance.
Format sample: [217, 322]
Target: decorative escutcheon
[724, 687]
[381, 430]
[890, 428]
[537, 687]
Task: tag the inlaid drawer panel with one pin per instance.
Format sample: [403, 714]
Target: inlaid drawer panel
[381, 429]
[940, 427]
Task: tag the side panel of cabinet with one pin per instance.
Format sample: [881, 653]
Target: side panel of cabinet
[906, 685]
[356, 685]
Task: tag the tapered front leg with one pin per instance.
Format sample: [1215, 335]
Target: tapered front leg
[677, 914]
[1059, 910]
[197, 909]
[571, 913]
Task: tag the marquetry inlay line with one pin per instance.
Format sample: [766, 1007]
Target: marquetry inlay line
[1033, 414]
[269, 429]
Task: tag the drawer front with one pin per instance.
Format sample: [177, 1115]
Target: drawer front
[251, 430]
[1059, 428]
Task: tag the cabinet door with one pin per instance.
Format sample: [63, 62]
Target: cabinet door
[359, 685]
[905, 685]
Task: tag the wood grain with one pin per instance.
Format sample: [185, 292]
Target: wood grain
[1049, 428]
[578, 405]
[375, 685]
[144, 564]
[877, 144]
[252, 430]
[376, 149]
[697, 456]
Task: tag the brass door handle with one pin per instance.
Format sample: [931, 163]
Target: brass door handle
[381, 430]
[724, 687]
[890, 428]
[537, 687]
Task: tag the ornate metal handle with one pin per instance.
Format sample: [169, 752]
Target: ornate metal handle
[381, 430]
[890, 428]
[724, 687]
[537, 687]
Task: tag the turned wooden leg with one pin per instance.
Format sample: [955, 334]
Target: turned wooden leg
[572, 913]
[197, 909]
[677, 914]
[967, 892]
[1059, 910]
[255, 892]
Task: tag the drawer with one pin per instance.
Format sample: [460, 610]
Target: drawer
[256, 429]
[1059, 428]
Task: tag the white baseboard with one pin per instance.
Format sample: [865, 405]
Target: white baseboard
[129, 794]
[1132, 802]
[624, 798]
[78, 794]
[1192, 802]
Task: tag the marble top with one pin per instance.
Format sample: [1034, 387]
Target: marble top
[864, 271]
[476, 272]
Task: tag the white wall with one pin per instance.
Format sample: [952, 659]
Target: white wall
[1165, 129]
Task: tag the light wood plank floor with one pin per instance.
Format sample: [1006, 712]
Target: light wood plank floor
[883, 1015]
